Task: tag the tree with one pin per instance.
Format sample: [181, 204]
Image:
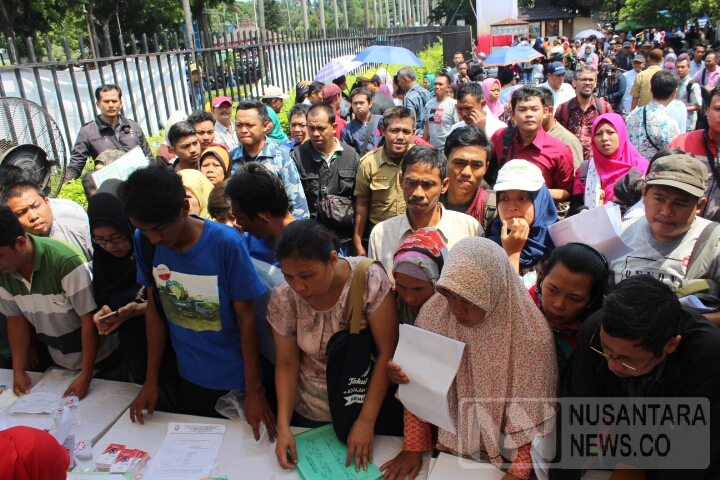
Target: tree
[274, 17]
[645, 12]
[445, 10]
[21, 19]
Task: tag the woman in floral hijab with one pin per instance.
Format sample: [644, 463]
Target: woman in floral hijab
[509, 354]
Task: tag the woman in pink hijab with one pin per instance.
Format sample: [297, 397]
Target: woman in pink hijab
[491, 91]
[613, 157]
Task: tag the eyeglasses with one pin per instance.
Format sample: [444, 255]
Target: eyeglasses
[586, 80]
[109, 241]
[608, 357]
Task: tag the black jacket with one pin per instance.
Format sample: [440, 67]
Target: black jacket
[95, 137]
[691, 371]
[319, 179]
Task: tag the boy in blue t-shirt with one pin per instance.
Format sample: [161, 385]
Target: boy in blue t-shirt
[203, 277]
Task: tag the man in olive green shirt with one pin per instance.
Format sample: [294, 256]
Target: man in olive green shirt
[378, 195]
[640, 91]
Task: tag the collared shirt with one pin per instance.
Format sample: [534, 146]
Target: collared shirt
[58, 293]
[579, 122]
[630, 76]
[492, 124]
[565, 136]
[289, 145]
[355, 132]
[415, 99]
[694, 97]
[711, 78]
[387, 236]
[661, 129]
[550, 155]
[277, 160]
[641, 86]
[74, 231]
[328, 158]
[378, 178]
[695, 67]
[563, 94]
[227, 138]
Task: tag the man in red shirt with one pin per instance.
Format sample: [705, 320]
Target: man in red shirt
[704, 145]
[528, 141]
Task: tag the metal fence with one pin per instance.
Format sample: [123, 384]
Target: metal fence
[456, 39]
[153, 71]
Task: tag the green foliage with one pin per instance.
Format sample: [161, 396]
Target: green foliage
[645, 12]
[275, 18]
[73, 190]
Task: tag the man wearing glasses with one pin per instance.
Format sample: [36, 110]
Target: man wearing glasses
[578, 114]
[643, 344]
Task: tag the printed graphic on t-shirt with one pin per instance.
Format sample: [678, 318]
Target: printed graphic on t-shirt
[671, 271]
[189, 301]
[436, 115]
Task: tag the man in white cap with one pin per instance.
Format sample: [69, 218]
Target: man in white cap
[273, 100]
[224, 129]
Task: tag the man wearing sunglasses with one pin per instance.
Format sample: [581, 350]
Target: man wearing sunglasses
[643, 344]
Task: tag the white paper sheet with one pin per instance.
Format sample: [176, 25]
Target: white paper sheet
[188, 451]
[450, 466]
[599, 227]
[430, 362]
[45, 396]
[122, 167]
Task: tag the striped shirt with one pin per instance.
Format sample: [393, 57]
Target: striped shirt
[59, 292]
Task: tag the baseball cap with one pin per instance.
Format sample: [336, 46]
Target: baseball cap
[193, 67]
[683, 172]
[373, 79]
[639, 59]
[519, 175]
[329, 92]
[556, 68]
[626, 44]
[220, 100]
[632, 39]
[271, 91]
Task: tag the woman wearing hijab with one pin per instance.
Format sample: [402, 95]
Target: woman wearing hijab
[613, 157]
[590, 56]
[669, 62]
[509, 353]
[215, 164]
[115, 278]
[525, 212]
[197, 191]
[31, 454]
[429, 84]
[491, 91]
[417, 264]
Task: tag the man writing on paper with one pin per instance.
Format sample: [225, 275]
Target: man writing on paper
[46, 284]
[666, 238]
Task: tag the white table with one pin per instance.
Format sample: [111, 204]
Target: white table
[99, 410]
[236, 460]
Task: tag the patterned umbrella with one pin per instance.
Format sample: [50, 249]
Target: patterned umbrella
[337, 67]
[587, 33]
[389, 55]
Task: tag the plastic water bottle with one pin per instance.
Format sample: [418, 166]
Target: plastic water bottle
[84, 456]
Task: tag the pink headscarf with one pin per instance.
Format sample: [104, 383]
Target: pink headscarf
[495, 107]
[613, 168]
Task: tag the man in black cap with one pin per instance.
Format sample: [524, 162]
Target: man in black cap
[380, 101]
[625, 57]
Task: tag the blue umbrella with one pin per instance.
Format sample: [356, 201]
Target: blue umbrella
[511, 55]
[337, 67]
[388, 55]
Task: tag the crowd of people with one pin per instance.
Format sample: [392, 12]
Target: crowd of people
[450, 183]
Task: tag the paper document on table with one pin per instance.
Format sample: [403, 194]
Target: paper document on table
[598, 227]
[430, 361]
[46, 395]
[188, 451]
[122, 167]
[321, 456]
[450, 466]
[94, 475]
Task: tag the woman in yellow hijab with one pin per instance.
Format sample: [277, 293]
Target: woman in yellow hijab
[197, 191]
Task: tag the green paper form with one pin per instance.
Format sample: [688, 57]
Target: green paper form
[321, 456]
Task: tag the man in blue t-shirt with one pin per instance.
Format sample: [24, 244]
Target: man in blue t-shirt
[203, 278]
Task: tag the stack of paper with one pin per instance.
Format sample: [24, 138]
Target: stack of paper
[108, 457]
[122, 167]
[321, 456]
[598, 227]
[129, 461]
[430, 361]
[188, 451]
[46, 395]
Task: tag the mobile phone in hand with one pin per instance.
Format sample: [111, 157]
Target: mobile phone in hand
[107, 317]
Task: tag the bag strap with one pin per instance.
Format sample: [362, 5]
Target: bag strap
[367, 134]
[113, 137]
[355, 296]
[598, 105]
[646, 130]
[507, 141]
[489, 210]
[703, 249]
[584, 169]
[702, 82]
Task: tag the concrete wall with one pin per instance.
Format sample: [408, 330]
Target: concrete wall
[579, 24]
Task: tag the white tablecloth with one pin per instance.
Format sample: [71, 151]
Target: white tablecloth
[236, 460]
[99, 410]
